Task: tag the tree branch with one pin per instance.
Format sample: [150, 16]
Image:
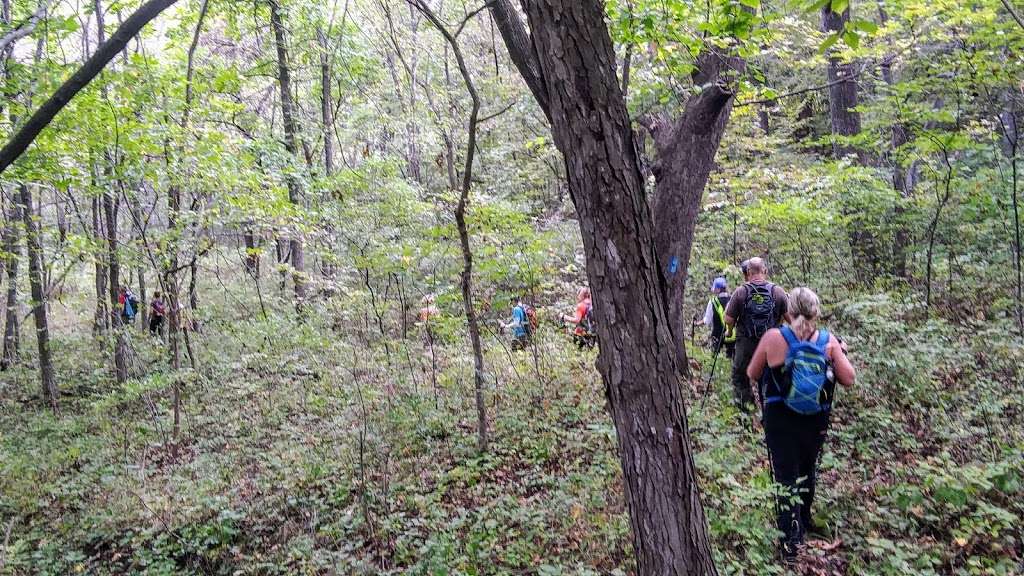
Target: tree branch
[26, 27]
[1016, 16]
[520, 49]
[104, 53]
[824, 86]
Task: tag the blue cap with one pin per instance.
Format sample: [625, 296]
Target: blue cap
[719, 284]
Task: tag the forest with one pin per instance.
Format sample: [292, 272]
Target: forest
[442, 287]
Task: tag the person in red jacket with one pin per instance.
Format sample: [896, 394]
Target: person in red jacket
[584, 333]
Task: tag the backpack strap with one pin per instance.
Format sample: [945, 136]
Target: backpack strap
[823, 339]
[790, 336]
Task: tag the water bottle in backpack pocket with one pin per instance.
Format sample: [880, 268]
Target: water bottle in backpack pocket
[811, 386]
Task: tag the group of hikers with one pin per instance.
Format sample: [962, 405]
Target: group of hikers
[788, 366]
[784, 365]
[129, 307]
[580, 323]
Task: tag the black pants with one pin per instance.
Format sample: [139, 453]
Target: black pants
[794, 444]
[155, 324]
[740, 383]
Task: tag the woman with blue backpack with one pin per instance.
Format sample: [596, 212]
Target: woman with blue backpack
[794, 372]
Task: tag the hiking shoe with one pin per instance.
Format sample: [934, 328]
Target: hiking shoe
[788, 552]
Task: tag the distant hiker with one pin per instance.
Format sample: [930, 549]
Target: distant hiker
[714, 316]
[584, 331]
[128, 303]
[753, 310]
[429, 308]
[523, 324]
[157, 312]
[795, 369]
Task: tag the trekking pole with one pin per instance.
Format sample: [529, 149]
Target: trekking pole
[714, 363]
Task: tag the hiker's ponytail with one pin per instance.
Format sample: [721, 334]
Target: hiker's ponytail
[804, 307]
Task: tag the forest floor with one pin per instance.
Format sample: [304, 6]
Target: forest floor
[325, 447]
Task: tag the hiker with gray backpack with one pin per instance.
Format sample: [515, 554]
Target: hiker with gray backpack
[754, 308]
[794, 371]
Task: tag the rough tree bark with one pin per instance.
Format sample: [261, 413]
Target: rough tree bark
[638, 360]
[842, 90]
[685, 156]
[39, 308]
[298, 261]
[110, 210]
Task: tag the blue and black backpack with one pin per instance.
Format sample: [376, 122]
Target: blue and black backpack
[808, 368]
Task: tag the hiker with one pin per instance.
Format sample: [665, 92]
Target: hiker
[428, 309]
[794, 371]
[753, 310]
[157, 312]
[714, 316]
[522, 324]
[584, 333]
[128, 303]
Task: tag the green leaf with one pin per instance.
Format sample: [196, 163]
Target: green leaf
[828, 43]
[851, 39]
[865, 26]
[840, 6]
[817, 5]
[754, 4]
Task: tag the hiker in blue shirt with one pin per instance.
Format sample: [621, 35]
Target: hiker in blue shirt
[521, 324]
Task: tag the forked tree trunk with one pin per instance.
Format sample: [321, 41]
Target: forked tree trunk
[298, 261]
[39, 310]
[638, 358]
[479, 380]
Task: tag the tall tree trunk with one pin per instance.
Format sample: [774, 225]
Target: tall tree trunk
[39, 309]
[460, 221]
[12, 250]
[326, 113]
[298, 260]
[1009, 126]
[901, 182]
[638, 356]
[845, 121]
[842, 91]
[121, 360]
[327, 127]
[686, 150]
[102, 319]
